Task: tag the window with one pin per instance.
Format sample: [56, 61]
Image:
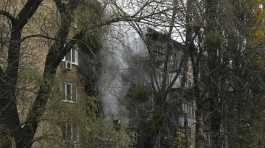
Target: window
[70, 92]
[187, 108]
[261, 6]
[71, 134]
[208, 138]
[72, 57]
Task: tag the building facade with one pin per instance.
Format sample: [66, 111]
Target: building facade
[181, 105]
[59, 127]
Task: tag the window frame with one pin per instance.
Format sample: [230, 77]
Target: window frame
[71, 133]
[73, 53]
[73, 95]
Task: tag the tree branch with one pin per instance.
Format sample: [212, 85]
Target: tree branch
[129, 18]
[38, 36]
[8, 15]
[2, 73]
[27, 12]
[15, 38]
[1, 70]
[55, 54]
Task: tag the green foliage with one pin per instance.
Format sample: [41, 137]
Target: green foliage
[6, 141]
[256, 34]
[95, 132]
[260, 61]
[89, 17]
[1, 66]
[214, 39]
[29, 76]
[180, 139]
[140, 93]
[100, 135]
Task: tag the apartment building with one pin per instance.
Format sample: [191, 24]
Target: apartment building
[58, 128]
[65, 102]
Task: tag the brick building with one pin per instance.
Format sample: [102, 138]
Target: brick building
[58, 128]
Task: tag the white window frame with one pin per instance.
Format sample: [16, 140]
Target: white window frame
[73, 99]
[74, 135]
[261, 6]
[73, 53]
[185, 108]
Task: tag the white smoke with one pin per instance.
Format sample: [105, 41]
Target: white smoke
[113, 64]
[118, 43]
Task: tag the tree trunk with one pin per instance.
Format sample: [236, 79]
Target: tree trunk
[9, 119]
[25, 136]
